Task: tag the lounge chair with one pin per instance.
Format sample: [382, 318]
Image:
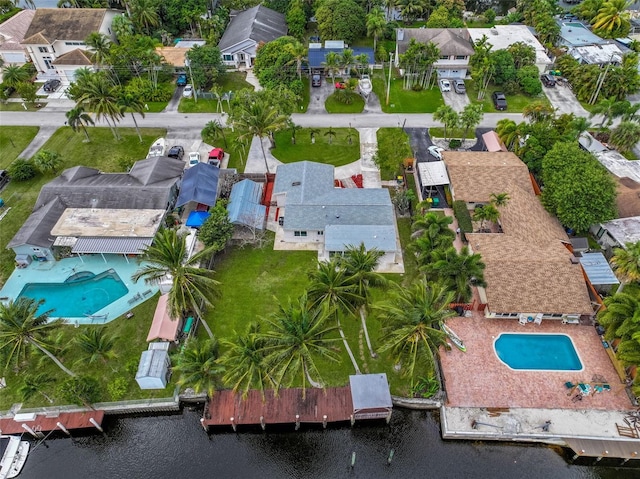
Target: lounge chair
[569, 385]
[585, 389]
[522, 320]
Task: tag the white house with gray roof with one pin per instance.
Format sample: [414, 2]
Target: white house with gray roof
[312, 211]
[246, 31]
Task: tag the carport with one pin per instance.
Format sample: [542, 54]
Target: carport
[433, 174]
[599, 272]
[492, 142]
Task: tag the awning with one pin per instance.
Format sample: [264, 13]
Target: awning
[492, 142]
[163, 327]
[433, 173]
[597, 269]
[199, 184]
[197, 218]
[112, 245]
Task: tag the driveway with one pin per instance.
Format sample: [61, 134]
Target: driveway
[455, 100]
[564, 101]
[319, 95]
[420, 142]
[172, 106]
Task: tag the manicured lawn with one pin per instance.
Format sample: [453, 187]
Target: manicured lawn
[438, 132]
[13, 140]
[334, 106]
[401, 100]
[230, 81]
[234, 81]
[13, 106]
[103, 152]
[393, 148]
[515, 103]
[338, 153]
[306, 96]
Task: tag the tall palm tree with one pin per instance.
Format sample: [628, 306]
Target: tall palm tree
[197, 366]
[23, 328]
[457, 271]
[244, 362]
[511, 133]
[434, 226]
[101, 97]
[132, 103]
[35, 383]
[77, 118]
[259, 119]
[609, 108]
[619, 309]
[299, 53]
[612, 16]
[145, 13]
[376, 25]
[470, 117]
[359, 264]
[578, 126]
[331, 65]
[625, 136]
[330, 286]
[99, 44]
[192, 285]
[537, 111]
[13, 75]
[447, 116]
[297, 337]
[96, 345]
[411, 319]
[347, 59]
[626, 262]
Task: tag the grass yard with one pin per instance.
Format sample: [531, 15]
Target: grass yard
[438, 132]
[338, 153]
[515, 103]
[333, 105]
[13, 140]
[393, 148]
[14, 106]
[103, 152]
[234, 81]
[401, 100]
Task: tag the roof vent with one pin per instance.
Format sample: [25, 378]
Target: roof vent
[296, 183]
[574, 260]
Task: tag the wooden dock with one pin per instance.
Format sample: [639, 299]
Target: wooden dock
[49, 422]
[227, 408]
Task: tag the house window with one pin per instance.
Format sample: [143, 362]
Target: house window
[47, 62]
[74, 43]
[320, 233]
[43, 49]
[227, 58]
[299, 233]
[600, 233]
[444, 57]
[461, 57]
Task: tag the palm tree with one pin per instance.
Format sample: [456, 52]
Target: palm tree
[145, 13]
[376, 25]
[331, 134]
[612, 16]
[77, 118]
[538, 111]
[214, 130]
[486, 213]
[244, 362]
[625, 135]
[389, 6]
[35, 383]
[192, 285]
[411, 321]
[447, 116]
[620, 309]
[101, 97]
[313, 132]
[13, 75]
[511, 133]
[299, 53]
[259, 119]
[331, 65]
[23, 328]
[132, 103]
[359, 265]
[197, 366]
[499, 200]
[434, 226]
[470, 117]
[626, 262]
[632, 112]
[609, 108]
[578, 126]
[47, 161]
[457, 271]
[96, 345]
[330, 286]
[294, 128]
[346, 60]
[298, 336]
[100, 45]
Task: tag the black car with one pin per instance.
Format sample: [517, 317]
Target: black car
[548, 80]
[52, 85]
[316, 80]
[176, 152]
[499, 100]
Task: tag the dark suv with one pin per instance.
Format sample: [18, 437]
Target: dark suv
[316, 80]
[548, 80]
[51, 85]
[499, 100]
[176, 152]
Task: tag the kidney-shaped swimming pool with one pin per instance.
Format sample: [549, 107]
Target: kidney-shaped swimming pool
[537, 352]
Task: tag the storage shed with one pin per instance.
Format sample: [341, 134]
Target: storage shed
[153, 370]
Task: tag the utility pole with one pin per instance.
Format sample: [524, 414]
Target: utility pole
[389, 81]
[600, 82]
[187, 62]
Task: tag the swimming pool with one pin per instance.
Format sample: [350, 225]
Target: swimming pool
[82, 294]
[537, 352]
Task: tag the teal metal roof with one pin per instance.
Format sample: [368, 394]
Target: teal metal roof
[597, 268]
[244, 205]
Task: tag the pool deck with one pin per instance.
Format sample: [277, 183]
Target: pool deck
[59, 271]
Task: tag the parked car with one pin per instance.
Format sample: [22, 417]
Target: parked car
[194, 159]
[316, 80]
[176, 152]
[548, 80]
[182, 79]
[52, 85]
[499, 100]
[216, 156]
[187, 92]
[445, 85]
[435, 151]
[458, 86]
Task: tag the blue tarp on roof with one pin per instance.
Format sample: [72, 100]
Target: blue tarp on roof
[199, 184]
[316, 56]
[244, 204]
[197, 218]
[598, 269]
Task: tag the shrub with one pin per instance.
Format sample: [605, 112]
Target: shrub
[118, 388]
[489, 15]
[455, 143]
[21, 170]
[82, 390]
[144, 89]
[416, 87]
[297, 87]
[463, 216]
[511, 87]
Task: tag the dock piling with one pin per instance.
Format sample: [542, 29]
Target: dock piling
[64, 429]
[95, 423]
[233, 424]
[353, 459]
[262, 423]
[297, 421]
[324, 421]
[37, 435]
[390, 458]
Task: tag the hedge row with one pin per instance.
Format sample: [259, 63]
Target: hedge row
[463, 216]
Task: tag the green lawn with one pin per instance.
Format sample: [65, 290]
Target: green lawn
[401, 100]
[334, 106]
[306, 95]
[515, 103]
[338, 153]
[234, 81]
[438, 132]
[13, 140]
[230, 81]
[103, 152]
[13, 106]
[393, 148]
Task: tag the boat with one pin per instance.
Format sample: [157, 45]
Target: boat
[455, 339]
[157, 148]
[14, 454]
[365, 85]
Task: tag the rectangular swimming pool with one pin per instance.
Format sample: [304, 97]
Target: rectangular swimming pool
[537, 352]
[80, 295]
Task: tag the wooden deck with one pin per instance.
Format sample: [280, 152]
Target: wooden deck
[45, 423]
[335, 403]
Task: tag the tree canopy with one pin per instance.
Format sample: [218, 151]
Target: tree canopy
[340, 20]
[275, 63]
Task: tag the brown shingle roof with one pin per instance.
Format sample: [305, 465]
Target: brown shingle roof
[450, 41]
[628, 199]
[53, 24]
[74, 57]
[12, 31]
[173, 55]
[475, 175]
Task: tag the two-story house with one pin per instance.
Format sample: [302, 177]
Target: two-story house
[454, 44]
[56, 38]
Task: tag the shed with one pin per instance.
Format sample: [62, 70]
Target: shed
[371, 396]
[163, 326]
[492, 142]
[244, 204]
[432, 174]
[199, 184]
[598, 271]
[579, 244]
[153, 370]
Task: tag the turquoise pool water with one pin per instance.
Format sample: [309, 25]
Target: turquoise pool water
[81, 295]
[542, 352]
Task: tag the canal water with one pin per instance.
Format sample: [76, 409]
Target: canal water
[176, 447]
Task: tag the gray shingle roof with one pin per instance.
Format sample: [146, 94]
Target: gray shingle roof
[260, 24]
[36, 230]
[292, 179]
[380, 237]
[450, 41]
